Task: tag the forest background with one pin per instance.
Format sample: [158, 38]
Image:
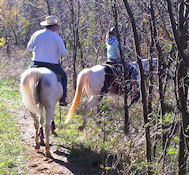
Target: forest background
[147, 29]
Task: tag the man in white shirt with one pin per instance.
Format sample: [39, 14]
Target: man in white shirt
[47, 46]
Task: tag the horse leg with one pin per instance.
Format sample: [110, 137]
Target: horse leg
[90, 104]
[36, 125]
[41, 136]
[49, 116]
[41, 133]
[47, 132]
[53, 128]
[135, 95]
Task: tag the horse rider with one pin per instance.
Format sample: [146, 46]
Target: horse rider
[113, 53]
[47, 46]
[112, 46]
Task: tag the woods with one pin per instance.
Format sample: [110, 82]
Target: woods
[152, 134]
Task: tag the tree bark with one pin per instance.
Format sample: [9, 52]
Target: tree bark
[126, 111]
[181, 34]
[48, 7]
[160, 72]
[74, 44]
[142, 83]
[184, 132]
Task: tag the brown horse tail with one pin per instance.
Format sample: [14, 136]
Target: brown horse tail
[30, 87]
[81, 81]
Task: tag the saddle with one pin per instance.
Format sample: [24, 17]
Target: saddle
[116, 67]
[113, 78]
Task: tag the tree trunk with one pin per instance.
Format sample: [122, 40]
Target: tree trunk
[184, 132]
[160, 73]
[180, 36]
[78, 38]
[142, 83]
[48, 7]
[74, 45]
[6, 42]
[126, 111]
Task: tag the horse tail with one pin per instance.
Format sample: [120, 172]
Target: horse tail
[81, 81]
[30, 90]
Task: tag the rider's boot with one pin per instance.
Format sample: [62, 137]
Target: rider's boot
[62, 101]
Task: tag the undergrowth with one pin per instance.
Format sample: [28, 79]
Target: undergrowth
[12, 150]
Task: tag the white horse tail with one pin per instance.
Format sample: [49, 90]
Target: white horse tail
[30, 84]
[81, 80]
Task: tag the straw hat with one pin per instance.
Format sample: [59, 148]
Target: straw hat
[50, 20]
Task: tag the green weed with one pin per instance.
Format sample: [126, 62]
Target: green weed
[12, 150]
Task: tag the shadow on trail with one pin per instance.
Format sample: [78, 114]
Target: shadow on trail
[81, 161]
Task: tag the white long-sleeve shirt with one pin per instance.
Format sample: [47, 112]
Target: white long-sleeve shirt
[47, 46]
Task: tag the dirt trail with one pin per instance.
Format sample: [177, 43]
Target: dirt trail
[38, 164]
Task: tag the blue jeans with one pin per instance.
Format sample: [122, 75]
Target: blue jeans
[57, 69]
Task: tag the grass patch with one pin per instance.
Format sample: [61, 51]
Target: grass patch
[88, 149]
[12, 149]
[82, 157]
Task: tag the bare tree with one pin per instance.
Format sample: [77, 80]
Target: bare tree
[48, 7]
[126, 117]
[181, 39]
[180, 32]
[160, 70]
[143, 89]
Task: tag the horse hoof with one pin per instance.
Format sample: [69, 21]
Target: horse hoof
[81, 128]
[37, 146]
[48, 155]
[42, 143]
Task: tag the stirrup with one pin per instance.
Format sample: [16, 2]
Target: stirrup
[63, 103]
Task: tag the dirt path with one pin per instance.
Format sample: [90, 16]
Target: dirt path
[38, 164]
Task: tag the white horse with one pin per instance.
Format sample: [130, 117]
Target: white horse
[146, 67]
[100, 79]
[96, 80]
[40, 89]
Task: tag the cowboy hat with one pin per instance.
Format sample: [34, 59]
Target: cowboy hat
[50, 20]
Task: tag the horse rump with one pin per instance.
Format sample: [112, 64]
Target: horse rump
[30, 90]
